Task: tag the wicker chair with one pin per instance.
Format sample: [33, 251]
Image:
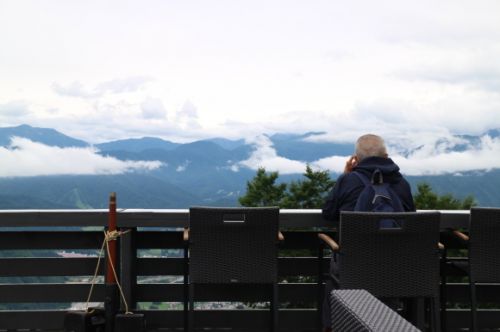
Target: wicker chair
[398, 262]
[484, 248]
[358, 310]
[237, 246]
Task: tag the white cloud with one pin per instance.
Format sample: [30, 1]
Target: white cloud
[115, 86]
[432, 156]
[427, 161]
[265, 156]
[74, 89]
[183, 166]
[188, 110]
[15, 108]
[334, 164]
[342, 67]
[435, 157]
[122, 85]
[26, 158]
[187, 116]
[153, 108]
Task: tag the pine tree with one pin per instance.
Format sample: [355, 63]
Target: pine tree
[262, 190]
[426, 199]
[309, 193]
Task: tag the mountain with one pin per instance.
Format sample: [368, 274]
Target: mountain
[46, 136]
[133, 191]
[205, 172]
[227, 143]
[303, 147]
[20, 202]
[137, 145]
[483, 186]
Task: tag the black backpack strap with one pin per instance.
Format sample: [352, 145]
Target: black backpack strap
[363, 178]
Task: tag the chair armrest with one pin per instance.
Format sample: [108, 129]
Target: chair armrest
[460, 235]
[281, 237]
[329, 241]
[185, 235]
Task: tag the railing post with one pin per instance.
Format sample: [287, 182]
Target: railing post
[128, 264]
[321, 290]
[111, 303]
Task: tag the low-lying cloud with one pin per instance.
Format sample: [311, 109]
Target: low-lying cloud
[485, 156]
[265, 156]
[27, 158]
[437, 157]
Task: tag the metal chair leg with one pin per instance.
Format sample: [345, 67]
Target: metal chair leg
[435, 315]
[473, 307]
[321, 288]
[443, 293]
[190, 327]
[274, 308]
[186, 290]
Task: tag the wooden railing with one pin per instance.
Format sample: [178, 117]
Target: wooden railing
[34, 288]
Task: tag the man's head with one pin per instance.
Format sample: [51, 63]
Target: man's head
[370, 146]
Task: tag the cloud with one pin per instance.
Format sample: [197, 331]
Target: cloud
[436, 156]
[183, 166]
[187, 116]
[121, 85]
[265, 156]
[153, 108]
[129, 84]
[26, 158]
[74, 89]
[16, 108]
[188, 110]
[427, 161]
[446, 155]
[477, 71]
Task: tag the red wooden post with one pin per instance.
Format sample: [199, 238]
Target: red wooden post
[110, 278]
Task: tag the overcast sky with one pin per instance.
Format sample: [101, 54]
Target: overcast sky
[183, 70]
[102, 70]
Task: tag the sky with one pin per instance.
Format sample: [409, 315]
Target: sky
[410, 71]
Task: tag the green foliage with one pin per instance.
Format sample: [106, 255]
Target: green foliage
[426, 199]
[309, 193]
[263, 190]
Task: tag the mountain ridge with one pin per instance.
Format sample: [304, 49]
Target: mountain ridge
[201, 172]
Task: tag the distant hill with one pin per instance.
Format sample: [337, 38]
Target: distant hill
[20, 202]
[484, 186]
[227, 143]
[134, 191]
[46, 136]
[298, 147]
[137, 145]
[201, 172]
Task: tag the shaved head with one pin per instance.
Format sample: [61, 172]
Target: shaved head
[370, 146]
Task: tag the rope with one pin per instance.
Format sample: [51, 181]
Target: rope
[108, 236]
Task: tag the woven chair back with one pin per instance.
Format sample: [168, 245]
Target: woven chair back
[399, 262]
[484, 245]
[233, 245]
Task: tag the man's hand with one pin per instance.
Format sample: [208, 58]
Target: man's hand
[350, 164]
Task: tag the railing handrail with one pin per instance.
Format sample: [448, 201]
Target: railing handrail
[174, 218]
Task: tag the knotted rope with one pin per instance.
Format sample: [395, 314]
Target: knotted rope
[108, 236]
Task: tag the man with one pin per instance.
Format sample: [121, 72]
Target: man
[370, 155]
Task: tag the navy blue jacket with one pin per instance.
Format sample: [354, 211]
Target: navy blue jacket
[348, 187]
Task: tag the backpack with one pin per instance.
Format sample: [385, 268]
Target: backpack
[378, 196]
